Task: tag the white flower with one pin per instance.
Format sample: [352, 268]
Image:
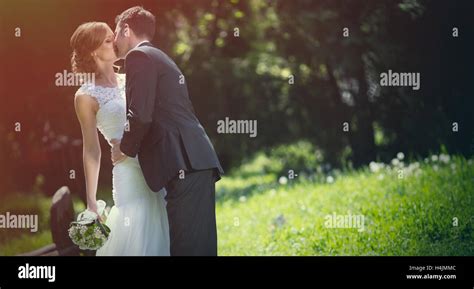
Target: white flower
[330, 179]
[374, 167]
[94, 239]
[444, 158]
[434, 158]
[242, 199]
[395, 162]
[400, 156]
[283, 180]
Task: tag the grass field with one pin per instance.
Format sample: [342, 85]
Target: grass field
[421, 208]
[407, 209]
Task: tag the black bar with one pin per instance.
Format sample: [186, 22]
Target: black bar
[378, 272]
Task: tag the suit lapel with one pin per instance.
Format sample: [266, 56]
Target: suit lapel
[127, 100]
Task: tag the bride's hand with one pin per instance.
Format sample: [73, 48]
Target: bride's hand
[93, 208]
[116, 154]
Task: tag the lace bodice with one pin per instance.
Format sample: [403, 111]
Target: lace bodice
[111, 116]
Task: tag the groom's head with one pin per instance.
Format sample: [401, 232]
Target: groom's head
[133, 26]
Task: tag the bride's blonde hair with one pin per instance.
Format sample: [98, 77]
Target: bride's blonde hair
[87, 38]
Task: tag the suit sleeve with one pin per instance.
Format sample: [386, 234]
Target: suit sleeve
[141, 86]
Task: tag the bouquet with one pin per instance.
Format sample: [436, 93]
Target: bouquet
[88, 232]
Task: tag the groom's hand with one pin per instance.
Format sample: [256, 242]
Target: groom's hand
[117, 155]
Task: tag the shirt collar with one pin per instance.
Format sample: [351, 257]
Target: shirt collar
[144, 41]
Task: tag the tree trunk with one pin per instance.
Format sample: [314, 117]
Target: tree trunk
[362, 138]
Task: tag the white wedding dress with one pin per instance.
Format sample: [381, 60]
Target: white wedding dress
[138, 221]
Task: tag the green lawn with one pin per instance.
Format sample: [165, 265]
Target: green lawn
[424, 208]
[410, 215]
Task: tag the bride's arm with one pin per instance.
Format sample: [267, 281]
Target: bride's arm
[86, 109]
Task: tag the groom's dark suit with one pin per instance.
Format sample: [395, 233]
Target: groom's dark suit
[173, 149]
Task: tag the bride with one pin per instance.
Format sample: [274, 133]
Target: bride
[138, 219]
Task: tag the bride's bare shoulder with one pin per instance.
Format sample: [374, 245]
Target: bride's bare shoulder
[84, 100]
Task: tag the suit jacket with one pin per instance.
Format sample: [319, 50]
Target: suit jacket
[163, 129]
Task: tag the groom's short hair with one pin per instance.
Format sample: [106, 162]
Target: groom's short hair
[141, 21]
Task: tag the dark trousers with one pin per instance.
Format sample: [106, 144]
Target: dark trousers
[192, 214]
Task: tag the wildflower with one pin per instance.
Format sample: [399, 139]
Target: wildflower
[330, 179]
[400, 156]
[283, 180]
[444, 158]
[374, 167]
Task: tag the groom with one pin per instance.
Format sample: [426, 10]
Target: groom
[172, 147]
